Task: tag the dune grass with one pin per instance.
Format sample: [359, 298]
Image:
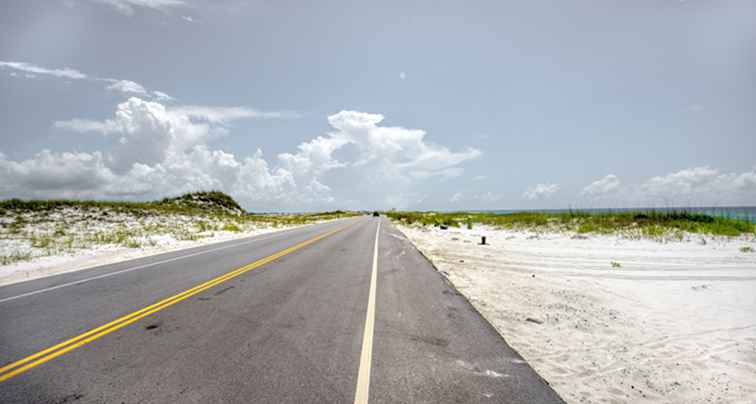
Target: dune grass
[212, 203]
[35, 228]
[647, 223]
[195, 202]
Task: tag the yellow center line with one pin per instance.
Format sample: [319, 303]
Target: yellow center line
[31, 361]
[362, 391]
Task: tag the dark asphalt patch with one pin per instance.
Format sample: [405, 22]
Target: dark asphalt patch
[70, 398]
[222, 291]
[430, 340]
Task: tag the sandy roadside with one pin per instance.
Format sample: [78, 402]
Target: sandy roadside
[107, 254]
[668, 322]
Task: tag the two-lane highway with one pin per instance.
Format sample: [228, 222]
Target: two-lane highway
[346, 311]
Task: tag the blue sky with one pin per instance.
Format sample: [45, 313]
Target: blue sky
[421, 105]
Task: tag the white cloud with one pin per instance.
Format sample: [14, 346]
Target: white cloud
[128, 6]
[479, 178]
[602, 187]
[683, 182]
[161, 96]
[488, 197]
[148, 131]
[157, 150]
[127, 87]
[395, 151]
[484, 198]
[224, 114]
[65, 72]
[382, 164]
[187, 18]
[702, 185]
[540, 191]
[402, 75]
[85, 125]
[69, 173]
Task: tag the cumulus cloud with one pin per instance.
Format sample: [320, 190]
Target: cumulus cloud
[66, 72]
[540, 191]
[382, 164]
[147, 132]
[403, 152]
[157, 150]
[127, 87]
[128, 6]
[602, 187]
[456, 197]
[704, 184]
[67, 173]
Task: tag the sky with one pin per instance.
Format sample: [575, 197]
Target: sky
[302, 106]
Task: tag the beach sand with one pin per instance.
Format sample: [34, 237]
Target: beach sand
[670, 321]
[153, 235]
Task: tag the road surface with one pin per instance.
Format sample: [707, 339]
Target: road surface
[345, 311]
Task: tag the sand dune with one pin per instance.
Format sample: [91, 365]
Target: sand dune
[668, 322]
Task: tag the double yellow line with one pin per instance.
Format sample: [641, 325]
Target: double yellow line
[31, 361]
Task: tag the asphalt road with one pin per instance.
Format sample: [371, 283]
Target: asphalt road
[334, 312]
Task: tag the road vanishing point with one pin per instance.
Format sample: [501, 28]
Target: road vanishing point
[341, 312]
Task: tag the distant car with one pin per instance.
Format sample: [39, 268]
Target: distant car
[376, 214]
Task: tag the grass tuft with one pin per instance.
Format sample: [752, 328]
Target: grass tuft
[13, 258]
[231, 227]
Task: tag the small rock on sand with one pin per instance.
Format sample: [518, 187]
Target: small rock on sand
[534, 320]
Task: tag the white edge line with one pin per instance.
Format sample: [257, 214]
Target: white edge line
[122, 271]
[362, 392]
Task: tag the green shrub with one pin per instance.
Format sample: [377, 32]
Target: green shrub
[41, 242]
[231, 227]
[654, 231]
[13, 258]
[587, 228]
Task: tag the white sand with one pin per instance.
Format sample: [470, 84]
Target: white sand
[676, 322]
[76, 248]
[101, 255]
